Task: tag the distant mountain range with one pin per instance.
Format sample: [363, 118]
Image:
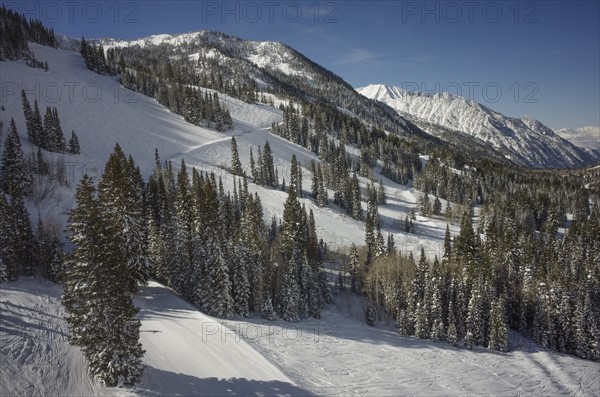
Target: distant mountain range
[523, 140]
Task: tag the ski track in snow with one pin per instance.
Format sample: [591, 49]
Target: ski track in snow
[339, 355]
[36, 359]
[189, 353]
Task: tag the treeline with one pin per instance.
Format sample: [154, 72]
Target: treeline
[16, 31]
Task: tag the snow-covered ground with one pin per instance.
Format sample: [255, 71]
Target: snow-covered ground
[189, 353]
[180, 358]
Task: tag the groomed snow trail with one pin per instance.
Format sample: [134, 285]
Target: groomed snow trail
[184, 356]
[339, 355]
[36, 359]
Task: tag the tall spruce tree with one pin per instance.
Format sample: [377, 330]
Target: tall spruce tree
[236, 165]
[15, 175]
[74, 144]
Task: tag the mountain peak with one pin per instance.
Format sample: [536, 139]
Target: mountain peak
[526, 140]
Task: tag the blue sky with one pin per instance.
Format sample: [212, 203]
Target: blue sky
[539, 58]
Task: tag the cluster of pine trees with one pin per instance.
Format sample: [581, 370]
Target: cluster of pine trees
[263, 169]
[47, 135]
[152, 64]
[108, 264]
[17, 241]
[216, 250]
[94, 58]
[16, 31]
[514, 271]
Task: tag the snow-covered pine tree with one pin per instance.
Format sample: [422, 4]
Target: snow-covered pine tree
[236, 165]
[437, 206]
[121, 207]
[28, 112]
[475, 320]
[267, 312]
[82, 278]
[74, 144]
[37, 126]
[268, 166]
[356, 272]
[108, 265]
[498, 338]
[290, 293]
[15, 175]
[370, 315]
[23, 237]
[452, 332]
[219, 302]
[240, 282]
[381, 193]
[8, 270]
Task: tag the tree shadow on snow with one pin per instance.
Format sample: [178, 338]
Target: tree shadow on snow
[159, 382]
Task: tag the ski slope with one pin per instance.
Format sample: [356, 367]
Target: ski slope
[180, 358]
[192, 354]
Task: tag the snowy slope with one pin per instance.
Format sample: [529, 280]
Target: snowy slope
[264, 54]
[274, 65]
[191, 354]
[98, 109]
[525, 140]
[340, 355]
[584, 137]
[139, 124]
[183, 357]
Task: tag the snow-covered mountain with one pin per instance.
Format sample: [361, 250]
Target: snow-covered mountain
[588, 136]
[524, 140]
[274, 65]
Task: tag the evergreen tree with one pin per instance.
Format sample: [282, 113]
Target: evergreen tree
[370, 315]
[381, 193]
[498, 339]
[219, 302]
[290, 294]
[8, 270]
[37, 127]
[74, 144]
[22, 234]
[236, 165]
[103, 276]
[15, 176]
[452, 333]
[437, 206]
[475, 320]
[28, 112]
[356, 272]
[268, 166]
[240, 281]
[120, 203]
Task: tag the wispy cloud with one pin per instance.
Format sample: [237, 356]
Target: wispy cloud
[358, 56]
